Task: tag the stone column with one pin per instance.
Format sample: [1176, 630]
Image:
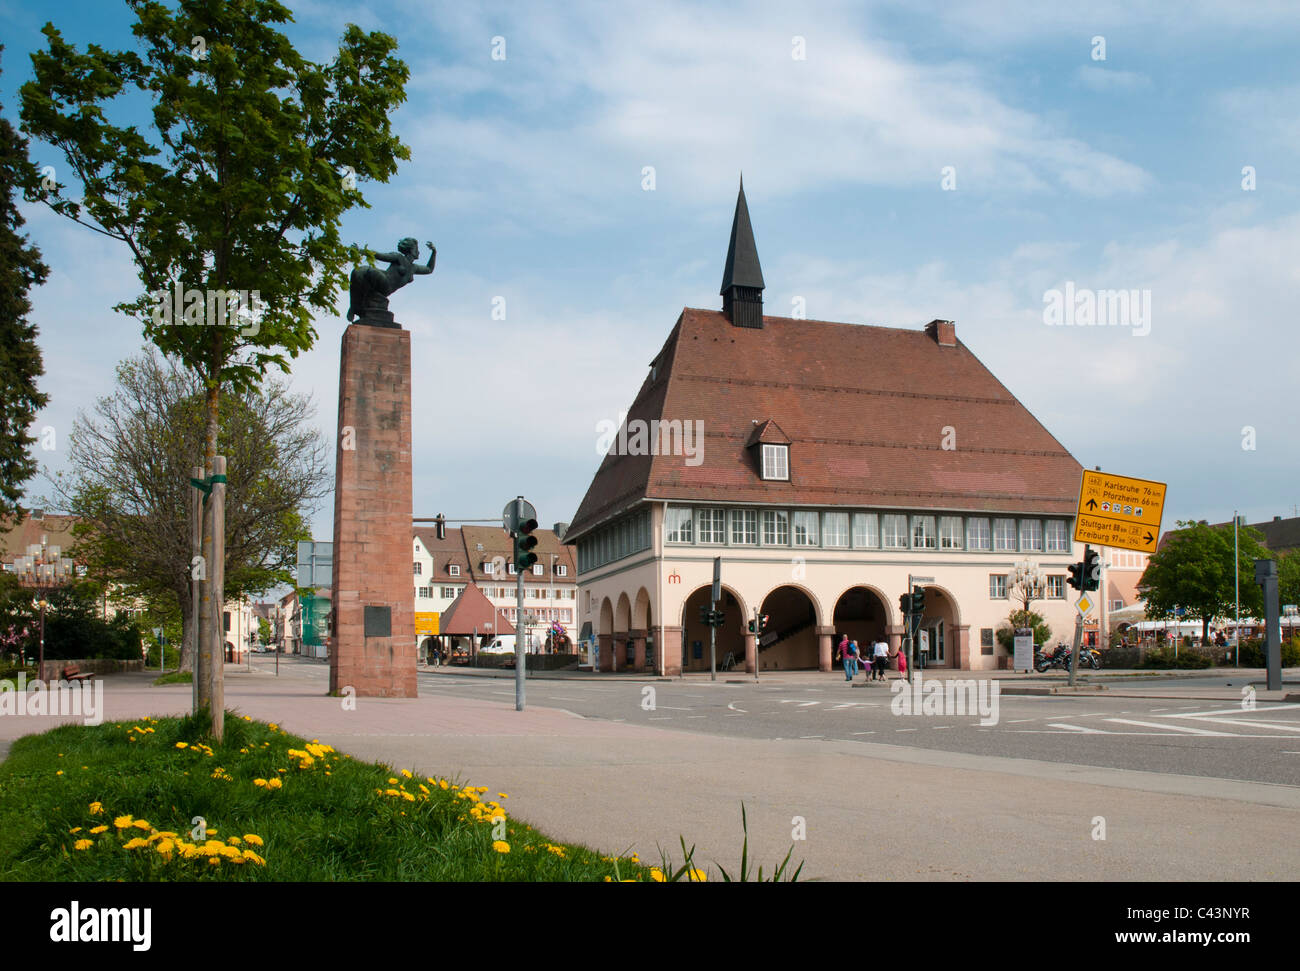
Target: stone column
[825, 649]
[959, 644]
[606, 644]
[638, 647]
[751, 653]
[895, 632]
[670, 652]
[373, 643]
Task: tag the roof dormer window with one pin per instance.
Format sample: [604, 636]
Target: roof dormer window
[776, 462]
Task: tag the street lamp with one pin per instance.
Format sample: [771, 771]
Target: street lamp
[43, 569]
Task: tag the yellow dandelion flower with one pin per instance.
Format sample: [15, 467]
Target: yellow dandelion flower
[392, 781]
[501, 846]
[274, 784]
[406, 773]
[252, 857]
[99, 829]
[502, 795]
[233, 840]
[259, 782]
[60, 772]
[96, 808]
[442, 783]
[698, 876]
[75, 829]
[165, 848]
[252, 839]
[122, 822]
[83, 844]
[656, 874]
[134, 844]
[215, 860]
[182, 745]
[141, 824]
[274, 727]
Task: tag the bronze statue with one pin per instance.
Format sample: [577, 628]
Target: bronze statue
[370, 287]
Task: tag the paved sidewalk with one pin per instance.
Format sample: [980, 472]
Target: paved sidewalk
[870, 811]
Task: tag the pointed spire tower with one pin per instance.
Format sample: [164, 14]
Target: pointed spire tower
[742, 279]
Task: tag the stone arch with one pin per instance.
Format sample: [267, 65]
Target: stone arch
[641, 610]
[792, 639]
[731, 635]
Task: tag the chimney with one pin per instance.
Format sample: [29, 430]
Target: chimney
[944, 332]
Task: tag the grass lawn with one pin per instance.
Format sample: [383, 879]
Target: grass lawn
[175, 677]
[123, 801]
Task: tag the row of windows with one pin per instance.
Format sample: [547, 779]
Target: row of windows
[545, 593]
[629, 535]
[862, 530]
[998, 587]
[489, 566]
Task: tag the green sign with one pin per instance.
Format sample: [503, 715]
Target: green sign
[315, 618]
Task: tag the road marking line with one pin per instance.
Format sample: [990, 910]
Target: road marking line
[695, 716]
[940, 727]
[905, 729]
[1238, 710]
[738, 711]
[671, 708]
[1176, 728]
[1242, 724]
[1078, 728]
[872, 733]
[805, 704]
[1015, 721]
[661, 718]
[1154, 710]
[812, 736]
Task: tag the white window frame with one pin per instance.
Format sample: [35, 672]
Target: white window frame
[489, 567]
[744, 527]
[561, 570]
[780, 521]
[894, 524]
[976, 539]
[997, 539]
[1055, 587]
[510, 569]
[538, 570]
[776, 463]
[836, 530]
[929, 538]
[679, 524]
[807, 522]
[1029, 540]
[710, 526]
[997, 586]
[1056, 538]
[868, 536]
[418, 567]
[453, 570]
[951, 533]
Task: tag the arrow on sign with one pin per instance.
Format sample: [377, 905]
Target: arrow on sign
[1149, 538]
[1092, 504]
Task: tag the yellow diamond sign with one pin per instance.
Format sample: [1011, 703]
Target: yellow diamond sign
[1084, 605]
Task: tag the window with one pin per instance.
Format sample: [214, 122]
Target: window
[488, 566]
[448, 593]
[418, 565]
[1004, 534]
[510, 568]
[977, 535]
[866, 530]
[538, 569]
[835, 528]
[893, 531]
[923, 533]
[949, 532]
[1031, 534]
[997, 586]
[1117, 605]
[805, 528]
[776, 527]
[561, 570]
[678, 525]
[1056, 588]
[1057, 541]
[744, 527]
[710, 525]
[453, 570]
[425, 592]
[776, 462]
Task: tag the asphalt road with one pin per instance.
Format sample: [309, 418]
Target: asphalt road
[1165, 735]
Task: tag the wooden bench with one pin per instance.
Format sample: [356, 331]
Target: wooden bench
[73, 673]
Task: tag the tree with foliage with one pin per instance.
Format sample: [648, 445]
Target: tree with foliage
[1194, 571]
[1023, 618]
[20, 357]
[263, 631]
[128, 482]
[1288, 578]
[254, 157]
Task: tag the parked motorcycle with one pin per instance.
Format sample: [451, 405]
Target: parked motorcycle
[1090, 655]
[1059, 658]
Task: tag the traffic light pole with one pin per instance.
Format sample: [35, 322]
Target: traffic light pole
[758, 636]
[521, 657]
[713, 641]
[1078, 620]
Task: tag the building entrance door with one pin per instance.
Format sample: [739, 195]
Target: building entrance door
[937, 648]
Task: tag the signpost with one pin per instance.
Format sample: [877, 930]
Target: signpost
[518, 517]
[1117, 510]
[1023, 643]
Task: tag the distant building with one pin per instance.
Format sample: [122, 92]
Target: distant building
[825, 463]
[483, 555]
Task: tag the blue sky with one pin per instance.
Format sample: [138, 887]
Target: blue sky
[527, 174]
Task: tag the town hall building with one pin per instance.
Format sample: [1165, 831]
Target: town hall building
[825, 464]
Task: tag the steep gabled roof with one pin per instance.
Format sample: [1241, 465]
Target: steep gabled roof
[876, 416]
[741, 269]
[472, 611]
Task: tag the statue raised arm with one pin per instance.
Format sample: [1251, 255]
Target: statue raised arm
[370, 287]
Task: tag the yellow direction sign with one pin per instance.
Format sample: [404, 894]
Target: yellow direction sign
[1117, 510]
[426, 622]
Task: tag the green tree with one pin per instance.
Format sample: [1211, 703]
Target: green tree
[254, 157]
[1194, 571]
[1288, 578]
[1023, 618]
[20, 357]
[128, 482]
[263, 631]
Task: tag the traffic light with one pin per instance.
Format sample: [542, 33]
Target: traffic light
[704, 613]
[1091, 570]
[524, 543]
[440, 525]
[1076, 576]
[904, 604]
[718, 618]
[918, 601]
[762, 622]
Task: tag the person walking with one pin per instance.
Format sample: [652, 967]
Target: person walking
[843, 655]
[879, 658]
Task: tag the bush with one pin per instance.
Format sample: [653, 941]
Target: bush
[1252, 653]
[171, 662]
[1164, 657]
[1006, 631]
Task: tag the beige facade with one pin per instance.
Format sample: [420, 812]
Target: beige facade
[651, 595]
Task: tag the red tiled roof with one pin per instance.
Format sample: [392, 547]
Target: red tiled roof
[470, 612]
[450, 549]
[866, 410]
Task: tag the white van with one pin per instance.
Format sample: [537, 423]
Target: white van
[505, 644]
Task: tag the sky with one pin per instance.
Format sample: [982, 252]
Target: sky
[903, 161]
